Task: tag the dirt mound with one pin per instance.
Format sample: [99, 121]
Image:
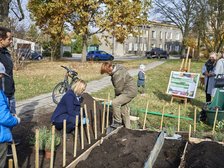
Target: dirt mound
[205, 155]
[127, 148]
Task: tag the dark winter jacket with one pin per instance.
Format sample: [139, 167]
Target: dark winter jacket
[6, 60]
[122, 81]
[7, 121]
[141, 78]
[68, 108]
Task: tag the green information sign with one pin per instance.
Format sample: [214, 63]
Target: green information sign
[183, 84]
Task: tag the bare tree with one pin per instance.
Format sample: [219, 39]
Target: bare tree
[179, 12]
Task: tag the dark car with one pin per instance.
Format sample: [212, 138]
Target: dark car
[157, 53]
[99, 55]
[35, 56]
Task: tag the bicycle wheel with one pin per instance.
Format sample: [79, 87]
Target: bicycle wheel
[58, 91]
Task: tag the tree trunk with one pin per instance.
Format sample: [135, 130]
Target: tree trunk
[84, 49]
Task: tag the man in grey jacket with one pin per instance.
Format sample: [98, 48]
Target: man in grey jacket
[125, 90]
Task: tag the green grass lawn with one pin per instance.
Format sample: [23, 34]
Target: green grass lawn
[38, 77]
[156, 86]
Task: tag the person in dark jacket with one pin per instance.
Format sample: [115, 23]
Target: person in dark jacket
[141, 80]
[125, 90]
[6, 60]
[7, 121]
[69, 107]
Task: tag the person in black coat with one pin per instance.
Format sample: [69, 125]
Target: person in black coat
[69, 107]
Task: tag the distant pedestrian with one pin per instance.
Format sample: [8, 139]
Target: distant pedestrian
[208, 71]
[7, 121]
[141, 80]
[6, 60]
[69, 107]
[125, 90]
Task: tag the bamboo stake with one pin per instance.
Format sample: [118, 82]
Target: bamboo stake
[178, 125]
[216, 114]
[189, 133]
[64, 143]
[108, 109]
[189, 65]
[76, 134]
[188, 51]
[195, 118]
[10, 162]
[146, 110]
[192, 52]
[37, 149]
[181, 66]
[87, 123]
[82, 136]
[95, 122]
[103, 118]
[52, 145]
[15, 159]
[161, 123]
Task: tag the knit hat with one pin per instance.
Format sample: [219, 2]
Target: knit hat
[142, 67]
[2, 69]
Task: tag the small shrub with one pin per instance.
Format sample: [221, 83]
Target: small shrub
[219, 136]
[170, 131]
[67, 54]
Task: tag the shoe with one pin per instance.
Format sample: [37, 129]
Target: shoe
[116, 124]
[9, 152]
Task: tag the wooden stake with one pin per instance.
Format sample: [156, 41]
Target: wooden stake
[87, 123]
[10, 162]
[82, 136]
[181, 66]
[95, 122]
[161, 123]
[189, 133]
[76, 134]
[37, 149]
[216, 114]
[52, 145]
[188, 51]
[15, 159]
[178, 125]
[103, 118]
[189, 66]
[108, 109]
[64, 143]
[146, 110]
[195, 118]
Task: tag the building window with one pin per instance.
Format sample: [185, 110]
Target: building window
[135, 47]
[177, 48]
[130, 47]
[154, 34]
[160, 46]
[161, 35]
[166, 35]
[178, 36]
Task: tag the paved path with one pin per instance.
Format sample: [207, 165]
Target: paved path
[45, 100]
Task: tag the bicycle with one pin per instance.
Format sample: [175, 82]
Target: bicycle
[61, 88]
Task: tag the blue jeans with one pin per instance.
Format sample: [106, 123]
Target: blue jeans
[12, 105]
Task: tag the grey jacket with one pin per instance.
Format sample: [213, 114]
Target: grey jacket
[122, 81]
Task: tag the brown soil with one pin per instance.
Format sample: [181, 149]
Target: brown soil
[205, 155]
[170, 154]
[127, 148]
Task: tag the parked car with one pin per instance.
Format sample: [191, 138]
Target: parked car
[27, 54]
[157, 53]
[35, 56]
[99, 55]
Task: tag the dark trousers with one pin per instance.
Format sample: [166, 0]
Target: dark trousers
[69, 126]
[208, 97]
[3, 154]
